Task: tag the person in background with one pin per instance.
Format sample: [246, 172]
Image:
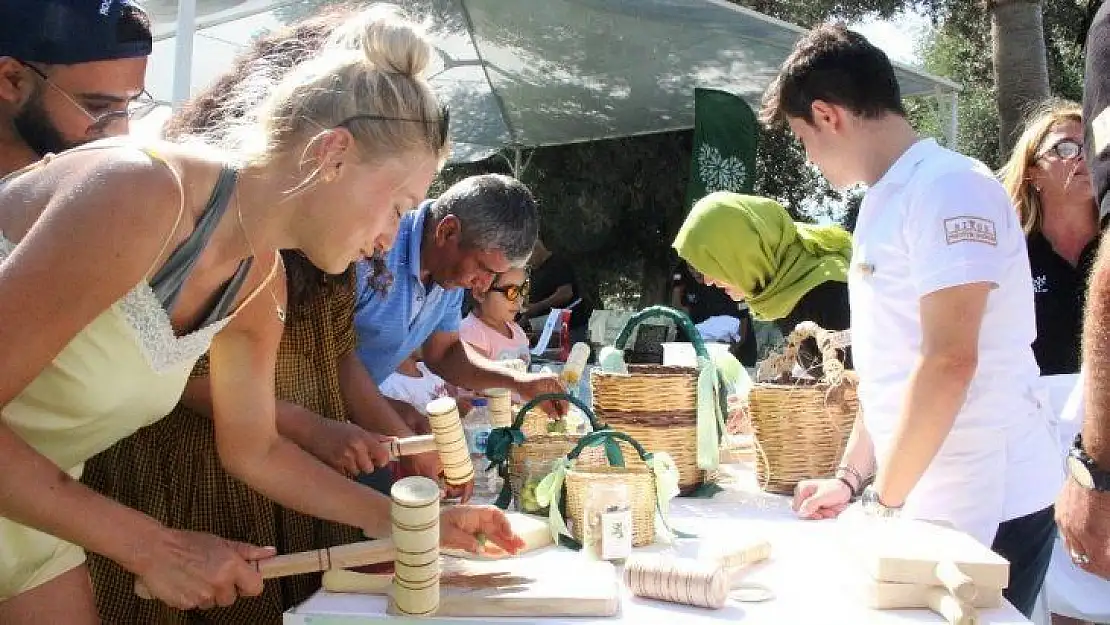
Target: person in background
[71, 71]
[1050, 186]
[414, 384]
[952, 425]
[787, 272]
[480, 227]
[156, 253]
[703, 302]
[554, 285]
[171, 470]
[491, 327]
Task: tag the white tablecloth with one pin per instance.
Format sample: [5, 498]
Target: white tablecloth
[808, 572]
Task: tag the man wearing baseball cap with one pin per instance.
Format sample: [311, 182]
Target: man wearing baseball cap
[71, 71]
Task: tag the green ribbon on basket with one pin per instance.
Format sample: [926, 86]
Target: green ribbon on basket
[549, 494]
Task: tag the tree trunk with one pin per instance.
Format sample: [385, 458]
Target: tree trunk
[1020, 65]
[654, 283]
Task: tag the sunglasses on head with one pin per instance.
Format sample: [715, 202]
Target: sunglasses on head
[444, 122]
[513, 292]
[1066, 149]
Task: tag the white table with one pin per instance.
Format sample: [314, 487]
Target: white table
[806, 572]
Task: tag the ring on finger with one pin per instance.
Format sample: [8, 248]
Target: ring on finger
[1080, 558]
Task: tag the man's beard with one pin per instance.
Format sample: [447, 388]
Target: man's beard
[34, 127]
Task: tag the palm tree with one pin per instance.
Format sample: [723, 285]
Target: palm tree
[1020, 65]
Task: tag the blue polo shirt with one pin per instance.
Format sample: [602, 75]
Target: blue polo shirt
[392, 326]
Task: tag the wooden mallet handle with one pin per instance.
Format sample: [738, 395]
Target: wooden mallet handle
[315, 560]
[412, 446]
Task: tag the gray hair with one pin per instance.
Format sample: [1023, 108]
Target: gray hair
[495, 212]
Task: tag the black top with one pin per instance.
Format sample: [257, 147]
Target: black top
[1096, 99]
[826, 305]
[1059, 291]
[552, 274]
[703, 301]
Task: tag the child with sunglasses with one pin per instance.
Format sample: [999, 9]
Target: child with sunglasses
[491, 326]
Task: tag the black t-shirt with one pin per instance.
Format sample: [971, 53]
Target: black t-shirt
[826, 305]
[702, 300]
[1059, 291]
[552, 274]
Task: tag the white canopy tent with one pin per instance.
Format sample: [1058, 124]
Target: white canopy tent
[529, 73]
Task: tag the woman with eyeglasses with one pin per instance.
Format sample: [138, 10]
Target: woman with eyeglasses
[121, 264]
[1050, 186]
[491, 326]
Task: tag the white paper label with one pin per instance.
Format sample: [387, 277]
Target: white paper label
[616, 535]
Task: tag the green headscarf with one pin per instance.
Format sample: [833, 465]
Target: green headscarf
[752, 244]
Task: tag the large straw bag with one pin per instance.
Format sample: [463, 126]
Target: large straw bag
[656, 404]
[801, 426]
[636, 475]
[523, 457]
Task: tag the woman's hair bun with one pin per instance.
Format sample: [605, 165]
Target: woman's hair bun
[390, 41]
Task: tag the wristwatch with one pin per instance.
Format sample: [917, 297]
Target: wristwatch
[1084, 470]
[874, 506]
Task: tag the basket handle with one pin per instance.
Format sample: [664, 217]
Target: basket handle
[518, 421]
[606, 437]
[781, 363]
[680, 318]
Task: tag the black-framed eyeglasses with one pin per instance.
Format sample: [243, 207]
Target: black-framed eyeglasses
[444, 122]
[513, 292]
[1066, 149]
[138, 107]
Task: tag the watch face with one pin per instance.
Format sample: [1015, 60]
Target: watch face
[1079, 473]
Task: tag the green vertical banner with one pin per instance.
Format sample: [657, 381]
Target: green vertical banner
[726, 136]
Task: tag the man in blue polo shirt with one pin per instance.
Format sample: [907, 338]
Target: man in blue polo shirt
[480, 227]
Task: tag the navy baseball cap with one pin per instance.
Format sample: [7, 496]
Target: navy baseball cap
[67, 32]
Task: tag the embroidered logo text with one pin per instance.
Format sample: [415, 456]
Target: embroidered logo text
[1040, 284]
[971, 229]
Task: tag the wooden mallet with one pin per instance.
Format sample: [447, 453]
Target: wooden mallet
[415, 518]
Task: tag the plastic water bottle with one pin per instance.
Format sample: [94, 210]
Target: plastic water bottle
[574, 368]
[476, 428]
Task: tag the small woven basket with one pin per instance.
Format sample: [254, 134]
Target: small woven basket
[801, 426]
[656, 404]
[529, 460]
[635, 474]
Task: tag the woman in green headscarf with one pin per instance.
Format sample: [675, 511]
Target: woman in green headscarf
[787, 272]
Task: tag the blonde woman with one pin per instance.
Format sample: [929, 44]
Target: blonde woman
[1050, 187]
[121, 265]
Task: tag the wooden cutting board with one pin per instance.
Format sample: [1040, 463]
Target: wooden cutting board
[909, 551]
[508, 587]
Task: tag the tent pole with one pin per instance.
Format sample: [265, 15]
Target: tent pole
[183, 51]
[954, 120]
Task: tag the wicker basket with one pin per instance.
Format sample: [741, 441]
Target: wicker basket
[527, 455]
[636, 475]
[801, 427]
[656, 404]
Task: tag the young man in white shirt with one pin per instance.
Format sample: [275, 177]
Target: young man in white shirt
[952, 427]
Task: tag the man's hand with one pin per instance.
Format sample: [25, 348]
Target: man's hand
[1082, 517]
[413, 418]
[531, 385]
[426, 465]
[348, 448]
[820, 499]
[464, 527]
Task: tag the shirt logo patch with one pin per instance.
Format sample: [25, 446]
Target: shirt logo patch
[971, 229]
[1040, 284]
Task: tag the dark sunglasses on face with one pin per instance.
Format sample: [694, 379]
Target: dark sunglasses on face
[138, 107]
[513, 292]
[1066, 149]
[444, 122]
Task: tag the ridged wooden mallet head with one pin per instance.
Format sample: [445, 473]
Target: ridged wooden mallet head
[415, 516]
[443, 416]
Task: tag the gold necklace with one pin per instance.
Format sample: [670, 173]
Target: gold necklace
[243, 228]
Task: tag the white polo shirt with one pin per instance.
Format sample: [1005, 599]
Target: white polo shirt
[938, 219]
